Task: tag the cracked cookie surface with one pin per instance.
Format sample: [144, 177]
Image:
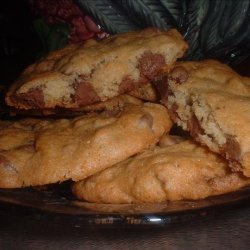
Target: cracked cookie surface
[38, 152]
[181, 171]
[212, 102]
[95, 71]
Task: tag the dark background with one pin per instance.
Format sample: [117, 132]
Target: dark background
[18, 40]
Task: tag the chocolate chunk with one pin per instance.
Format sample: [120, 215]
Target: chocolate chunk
[33, 98]
[161, 84]
[85, 94]
[194, 126]
[231, 149]
[150, 64]
[178, 74]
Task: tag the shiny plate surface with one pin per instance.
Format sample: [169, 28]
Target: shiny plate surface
[58, 201]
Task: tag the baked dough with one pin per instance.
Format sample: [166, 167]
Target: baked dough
[115, 103]
[212, 101]
[95, 71]
[183, 171]
[38, 151]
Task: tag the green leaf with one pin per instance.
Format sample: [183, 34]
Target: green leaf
[108, 14]
[152, 12]
[42, 31]
[233, 18]
[58, 36]
[175, 8]
[210, 35]
[197, 14]
[52, 37]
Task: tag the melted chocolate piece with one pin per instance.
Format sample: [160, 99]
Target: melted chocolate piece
[33, 98]
[231, 149]
[85, 94]
[150, 64]
[161, 84]
[194, 126]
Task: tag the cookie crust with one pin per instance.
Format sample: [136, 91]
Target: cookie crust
[38, 152]
[183, 171]
[212, 101]
[91, 72]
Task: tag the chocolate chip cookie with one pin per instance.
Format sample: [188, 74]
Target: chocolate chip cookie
[95, 71]
[211, 101]
[38, 151]
[181, 171]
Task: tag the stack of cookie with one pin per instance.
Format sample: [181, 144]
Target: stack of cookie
[117, 100]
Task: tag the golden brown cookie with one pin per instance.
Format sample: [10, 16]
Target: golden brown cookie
[183, 171]
[212, 101]
[37, 152]
[95, 71]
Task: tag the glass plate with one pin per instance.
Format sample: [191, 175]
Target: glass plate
[57, 200]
